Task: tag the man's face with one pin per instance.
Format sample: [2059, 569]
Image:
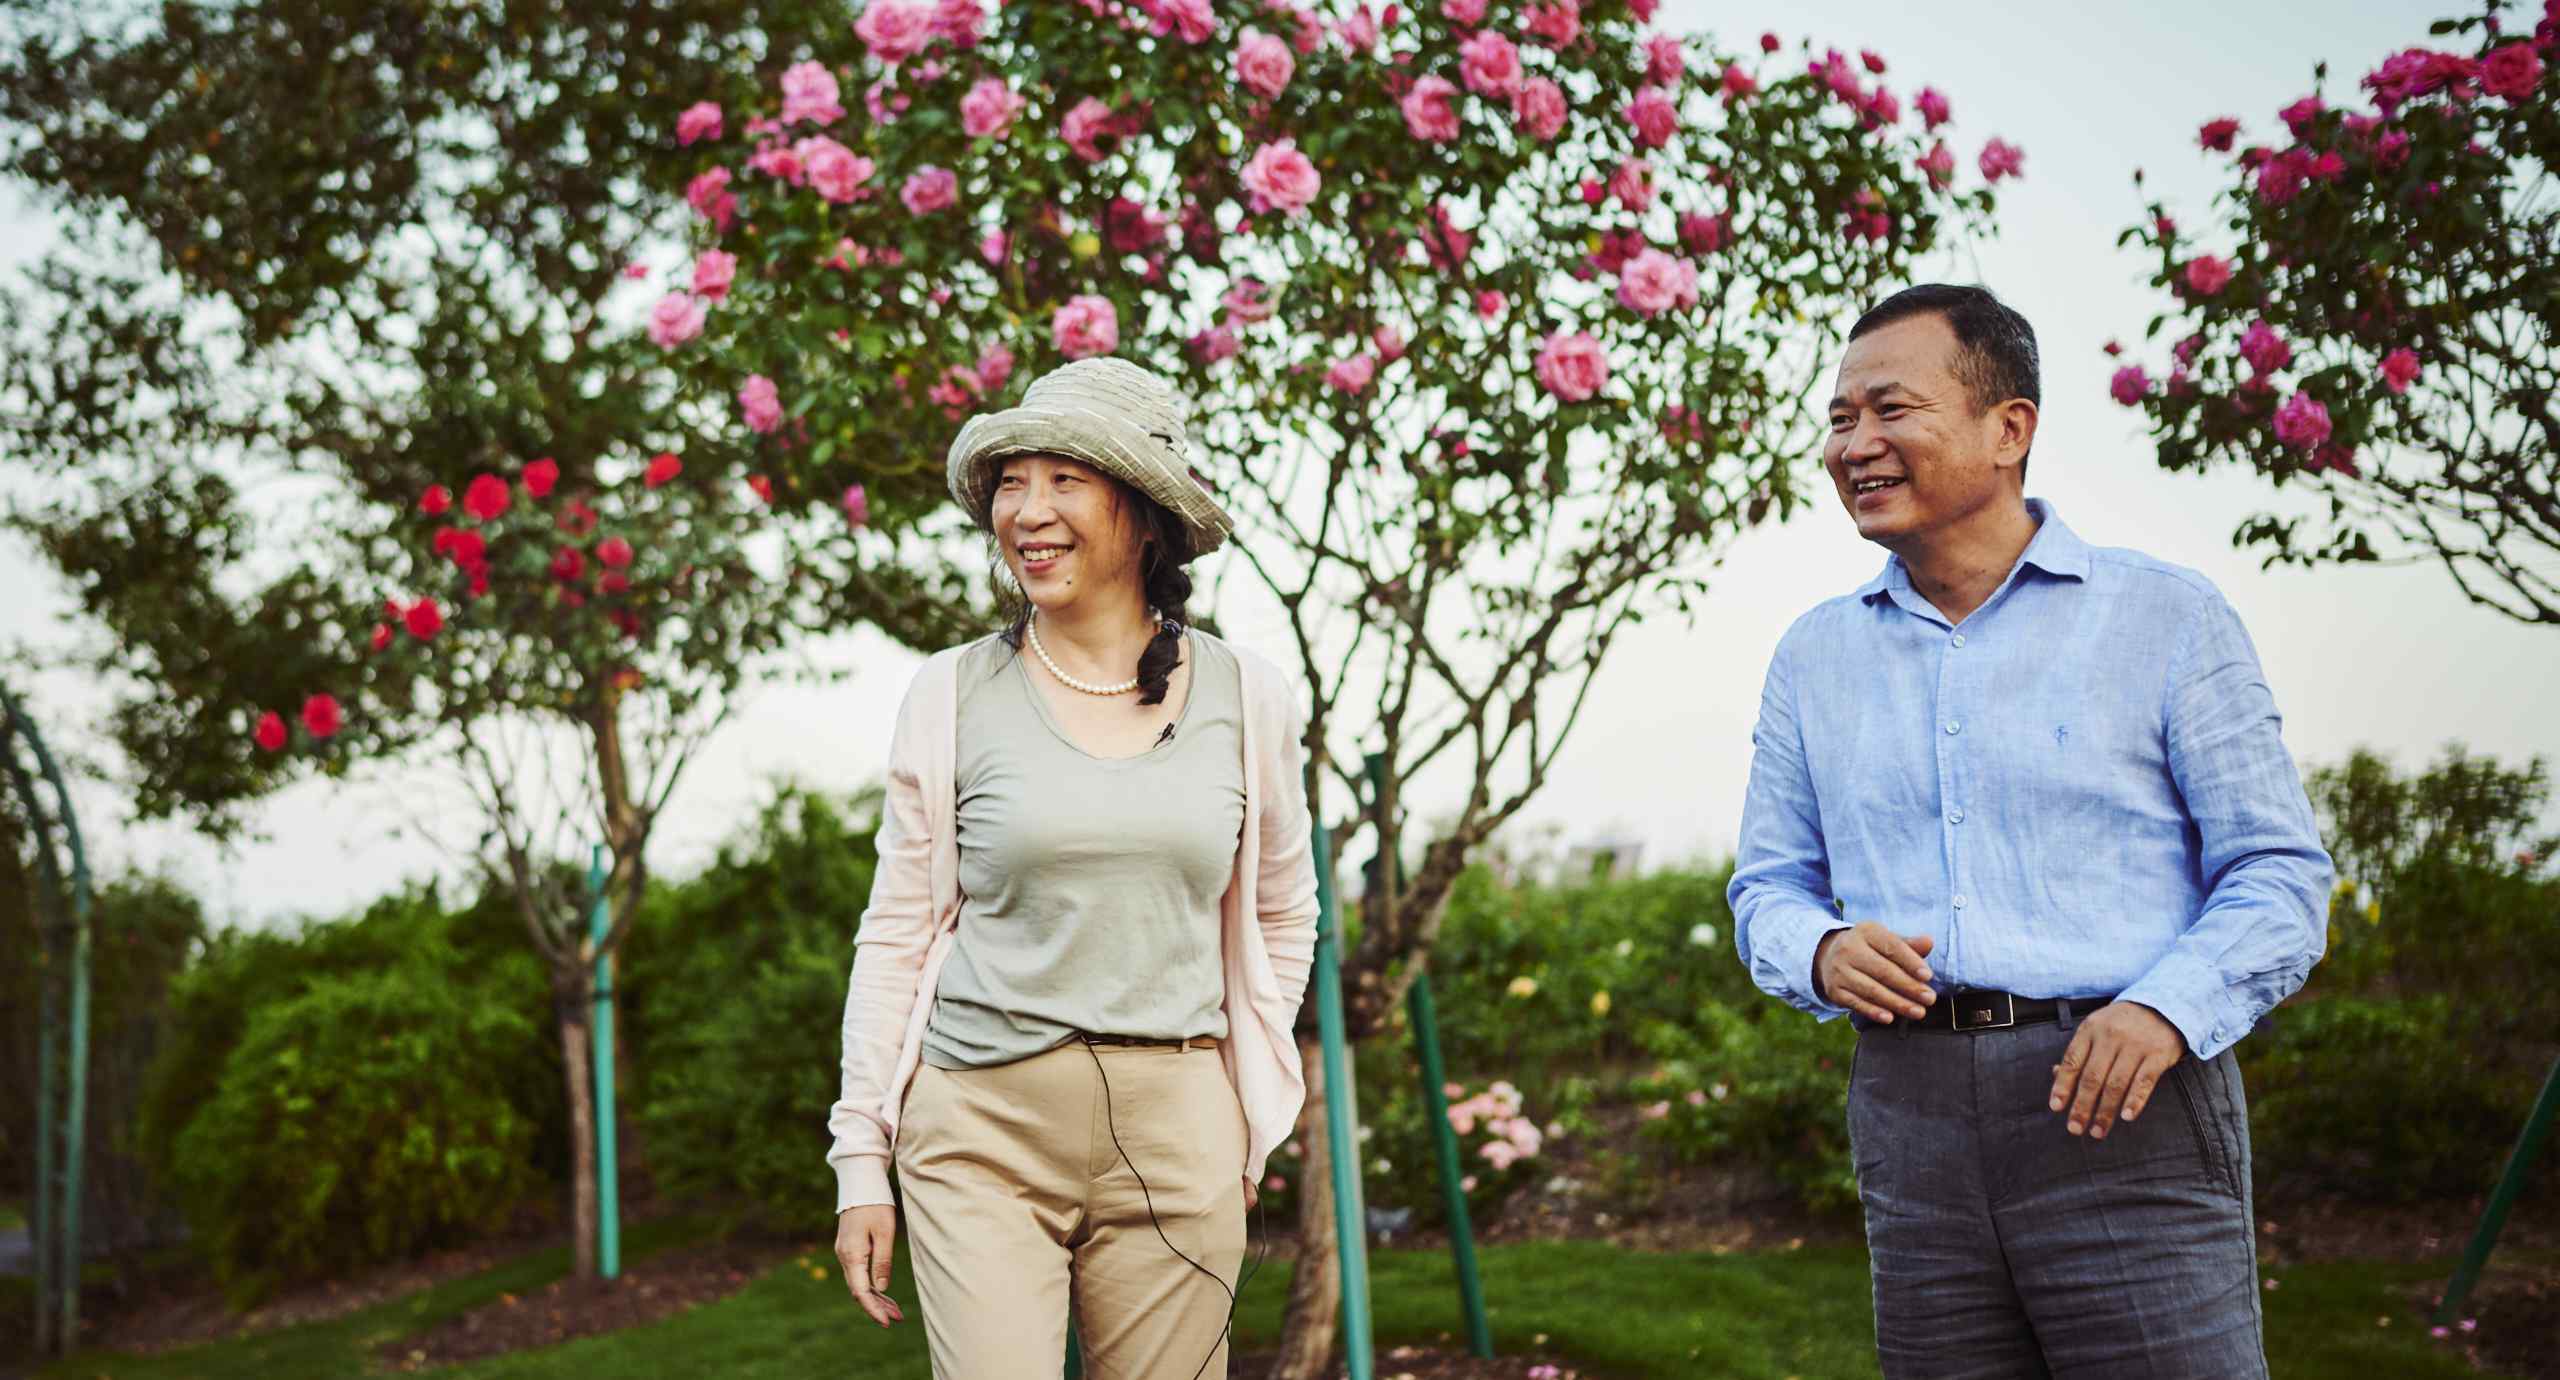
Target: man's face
[1909, 452]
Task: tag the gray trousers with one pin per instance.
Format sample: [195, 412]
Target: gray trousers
[2003, 1246]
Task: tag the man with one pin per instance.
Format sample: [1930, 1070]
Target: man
[2019, 808]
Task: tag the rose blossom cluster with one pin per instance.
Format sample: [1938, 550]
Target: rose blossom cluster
[1510, 1137]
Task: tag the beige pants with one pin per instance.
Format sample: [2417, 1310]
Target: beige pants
[1018, 1202]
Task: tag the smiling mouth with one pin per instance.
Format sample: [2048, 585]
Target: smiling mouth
[1875, 486]
[1035, 554]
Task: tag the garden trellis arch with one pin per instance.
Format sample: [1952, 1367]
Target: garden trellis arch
[62, 1043]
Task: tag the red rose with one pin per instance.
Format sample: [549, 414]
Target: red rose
[468, 549]
[435, 500]
[270, 734]
[540, 476]
[567, 564]
[762, 486]
[425, 620]
[614, 582]
[665, 467]
[2511, 71]
[614, 552]
[579, 520]
[320, 715]
[486, 498]
[381, 636]
[479, 580]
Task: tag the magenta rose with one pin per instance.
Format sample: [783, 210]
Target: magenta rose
[700, 120]
[1190, 19]
[1084, 127]
[1281, 178]
[1933, 106]
[1665, 61]
[1429, 112]
[992, 247]
[1556, 25]
[995, 365]
[1463, 12]
[987, 111]
[1738, 84]
[1654, 282]
[2302, 115]
[2207, 274]
[809, 93]
[761, 404]
[2510, 71]
[2130, 385]
[895, 30]
[1264, 64]
[1490, 63]
[2400, 369]
[1214, 344]
[2303, 422]
[835, 172]
[1538, 108]
[1655, 117]
[710, 197]
[1706, 234]
[1086, 326]
[1572, 366]
[2265, 350]
[1360, 31]
[1632, 184]
[676, 319]
[930, 189]
[1247, 302]
[1939, 163]
[713, 271]
[1351, 375]
[1490, 304]
[2000, 159]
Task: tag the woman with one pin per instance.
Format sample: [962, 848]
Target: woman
[1069, 1018]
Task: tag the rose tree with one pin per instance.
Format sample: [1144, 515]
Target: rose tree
[2376, 317]
[1500, 320]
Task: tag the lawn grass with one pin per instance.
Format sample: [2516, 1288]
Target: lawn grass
[1615, 1313]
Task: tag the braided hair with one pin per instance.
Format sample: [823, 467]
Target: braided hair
[1167, 585]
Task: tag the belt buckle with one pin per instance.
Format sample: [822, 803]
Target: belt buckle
[1973, 1010]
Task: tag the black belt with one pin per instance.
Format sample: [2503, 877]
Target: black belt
[1147, 1041]
[1969, 1010]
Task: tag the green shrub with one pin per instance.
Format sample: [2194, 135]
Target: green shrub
[362, 1119]
[1765, 1087]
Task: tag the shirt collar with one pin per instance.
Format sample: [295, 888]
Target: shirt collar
[2055, 550]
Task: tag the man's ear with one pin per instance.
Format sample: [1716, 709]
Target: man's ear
[2017, 418]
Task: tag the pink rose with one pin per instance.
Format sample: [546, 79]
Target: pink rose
[779, 161]
[2130, 385]
[930, 189]
[2000, 159]
[713, 271]
[2511, 71]
[1490, 64]
[1654, 282]
[1538, 108]
[2217, 135]
[2303, 422]
[1086, 326]
[835, 172]
[2400, 369]
[1281, 178]
[895, 30]
[1428, 112]
[1190, 19]
[1632, 184]
[710, 197]
[1701, 233]
[2302, 115]
[857, 506]
[2281, 178]
[1654, 116]
[2415, 72]
[1557, 24]
[1768, 43]
[1501, 1154]
[1939, 163]
[700, 120]
[1489, 304]
[676, 319]
[1351, 375]
[1247, 303]
[1360, 31]
[761, 404]
[885, 103]
[2265, 350]
[992, 247]
[809, 93]
[1084, 127]
[1738, 84]
[1933, 106]
[959, 21]
[1572, 366]
[1391, 345]
[995, 365]
[1664, 61]
[2207, 274]
[1463, 12]
[987, 111]
[1214, 344]
[1264, 64]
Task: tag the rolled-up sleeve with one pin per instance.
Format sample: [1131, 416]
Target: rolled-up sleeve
[2264, 921]
[1781, 891]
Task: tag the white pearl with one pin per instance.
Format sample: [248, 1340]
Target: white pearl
[1124, 687]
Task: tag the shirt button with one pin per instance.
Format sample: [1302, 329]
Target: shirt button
[1955, 816]
[1959, 900]
[1959, 639]
[1955, 726]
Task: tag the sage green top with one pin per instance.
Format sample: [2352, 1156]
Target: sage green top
[1089, 885]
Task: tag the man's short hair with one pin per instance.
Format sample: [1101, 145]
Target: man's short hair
[1995, 347]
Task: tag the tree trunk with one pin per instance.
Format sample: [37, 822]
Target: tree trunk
[1313, 1322]
[572, 995]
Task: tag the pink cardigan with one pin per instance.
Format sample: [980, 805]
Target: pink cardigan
[1269, 917]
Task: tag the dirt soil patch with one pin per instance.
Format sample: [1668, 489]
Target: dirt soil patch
[2508, 1322]
[666, 1283]
[1430, 1363]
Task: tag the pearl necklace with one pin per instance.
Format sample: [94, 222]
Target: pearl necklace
[1124, 687]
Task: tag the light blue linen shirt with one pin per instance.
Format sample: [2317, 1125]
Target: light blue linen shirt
[2080, 790]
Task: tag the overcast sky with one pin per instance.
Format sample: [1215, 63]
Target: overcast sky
[2393, 659]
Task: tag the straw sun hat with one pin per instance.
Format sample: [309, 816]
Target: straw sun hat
[1107, 413]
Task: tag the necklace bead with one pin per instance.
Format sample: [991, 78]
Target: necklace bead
[1069, 681]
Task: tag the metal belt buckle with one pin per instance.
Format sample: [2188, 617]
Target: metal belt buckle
[1983, 1010]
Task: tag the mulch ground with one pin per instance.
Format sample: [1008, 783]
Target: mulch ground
[663, 1284]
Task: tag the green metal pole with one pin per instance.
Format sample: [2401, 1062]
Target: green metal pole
[2484, 1239]
[49, 1041]
[1342, 1114]
[1435, 1109]
[62, 1080]
[608, 1177]
[1075, 1353]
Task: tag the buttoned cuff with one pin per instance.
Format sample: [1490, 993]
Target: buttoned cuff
[1793, 951]
[863, 1181]
[2191, 995]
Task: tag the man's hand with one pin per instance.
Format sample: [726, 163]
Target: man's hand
[865, 1238]
[2115, 1060]
[1874, 972]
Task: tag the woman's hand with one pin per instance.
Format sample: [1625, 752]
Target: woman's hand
[1252, 1196]
[865, 1238]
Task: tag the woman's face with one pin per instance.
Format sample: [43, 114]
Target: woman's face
[1065, 530]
